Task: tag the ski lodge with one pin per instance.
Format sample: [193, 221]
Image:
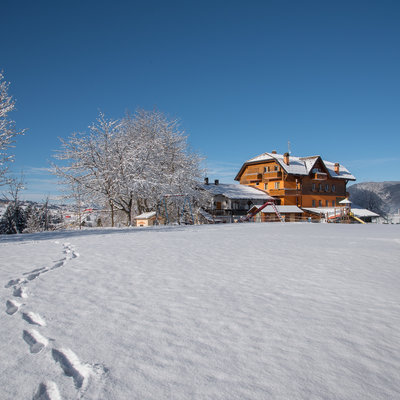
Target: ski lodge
[297, 181]
[290, 188]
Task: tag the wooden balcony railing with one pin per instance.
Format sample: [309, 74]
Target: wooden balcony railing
[253, 177]
[284, 192]
[273, 174]
[320, 176]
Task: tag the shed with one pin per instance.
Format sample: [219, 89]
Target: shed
[146, 219]
[289, 213]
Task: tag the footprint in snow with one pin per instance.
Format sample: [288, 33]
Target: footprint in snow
[35, 340]
[12, 282]
[20, 292]
[33, 318]
[12, 307]
[72, 367]
[47, 391]
[31, 277]
[58, 264]
[34, 270]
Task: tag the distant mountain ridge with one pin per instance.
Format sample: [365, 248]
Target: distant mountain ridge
[388, 192]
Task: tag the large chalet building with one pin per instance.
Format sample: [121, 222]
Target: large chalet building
[298, 181]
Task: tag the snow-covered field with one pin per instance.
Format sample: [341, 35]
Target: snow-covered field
[243, 311]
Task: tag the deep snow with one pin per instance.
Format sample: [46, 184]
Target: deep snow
[241, 311]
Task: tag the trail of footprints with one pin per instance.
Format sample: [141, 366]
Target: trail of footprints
[70, 364]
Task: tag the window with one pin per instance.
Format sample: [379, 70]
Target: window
[320, 187]
[257, 183]
[333, 203]
[313, 203]
[266, 169]
[319, 203]
[313, 187]
[277, 185]
[333, 188]
[327, 187]
[327, 203]
[265, 186]
[276, 168]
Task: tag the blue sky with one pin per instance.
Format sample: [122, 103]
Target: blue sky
[243, 77]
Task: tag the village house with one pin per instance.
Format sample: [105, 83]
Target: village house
[297, 181]
[231, 201]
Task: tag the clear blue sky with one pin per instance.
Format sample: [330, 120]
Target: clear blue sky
[243, 77]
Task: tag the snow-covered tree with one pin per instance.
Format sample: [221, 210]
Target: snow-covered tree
[131, 164]
[40, 217]
[89, 171]
[8, 131]
[14, 218]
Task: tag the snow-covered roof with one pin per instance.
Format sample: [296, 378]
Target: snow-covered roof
[146, 215]
[300, 165]
[237, 191]
[282, 209]
[358, 212]
[345, 201]
[363, 212]
[324, 210]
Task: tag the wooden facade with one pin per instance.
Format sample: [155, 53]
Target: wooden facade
[299, 181]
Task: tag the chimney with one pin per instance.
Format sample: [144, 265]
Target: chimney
[273, 152]
[286, 158]
[216, 182]
[206, 181]
[337, 168]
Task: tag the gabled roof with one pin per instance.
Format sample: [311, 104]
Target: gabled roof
[298, 165]
[237, 192]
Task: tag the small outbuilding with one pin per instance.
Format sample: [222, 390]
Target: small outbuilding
[146, 219]
[288, 213]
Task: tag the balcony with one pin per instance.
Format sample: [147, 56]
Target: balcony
[284, 192]
[253, 177]
[320, 176]
[273, 175]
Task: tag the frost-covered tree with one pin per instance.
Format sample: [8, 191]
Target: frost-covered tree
[131, 164]
[8, 131]
[40, 217]
[156, 162]
[88, 171]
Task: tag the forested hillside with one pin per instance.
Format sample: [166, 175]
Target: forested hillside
[377, 196]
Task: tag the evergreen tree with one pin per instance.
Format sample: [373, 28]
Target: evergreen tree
[13, 220]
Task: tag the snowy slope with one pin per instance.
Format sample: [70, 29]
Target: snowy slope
[241, 311]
